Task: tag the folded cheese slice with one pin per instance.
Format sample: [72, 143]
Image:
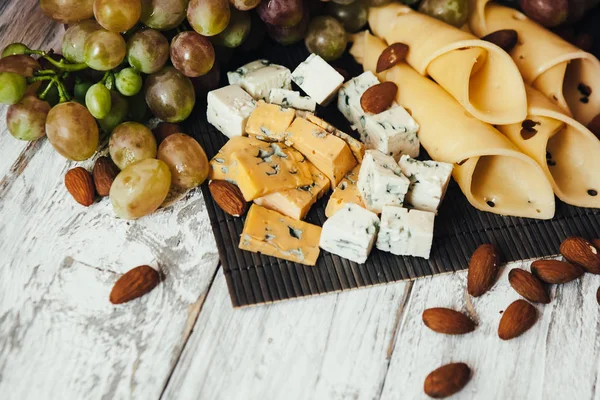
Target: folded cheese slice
[492, 173]
[478, 74]
[566, 74]
[566, 150]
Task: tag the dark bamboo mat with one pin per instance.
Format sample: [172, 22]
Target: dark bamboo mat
[459, 228]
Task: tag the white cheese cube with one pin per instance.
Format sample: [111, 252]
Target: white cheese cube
[350, 233]
[259, 77]
[393, 132]
[291, 98]
[428, 182]
[228, 109]
[406, 232]
[349, 99]
[318, 79]
[381, 182]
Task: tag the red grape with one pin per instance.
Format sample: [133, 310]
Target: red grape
[288, 35]
[26, 120]
[170, 95]
[104, 50]
[186, 160]
[192, 54]
[147, 51]
[68, 11]
[208, 17]
[117, 15]
[75, 37]
[281, 12]
[163, 14]
[72, 131]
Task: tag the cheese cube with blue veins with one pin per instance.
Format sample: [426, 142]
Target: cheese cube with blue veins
[259, 77]
[291, 98]
[406, 232]
[228, 109]
[428, 182]
[349, 99]
[393, 132]
[381, 182]
[269, 122]
[350, 233]
[318, 79]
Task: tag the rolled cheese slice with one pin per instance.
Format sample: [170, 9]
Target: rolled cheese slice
[478, 74]
[567, 75]
[492, 173]
[567, 151]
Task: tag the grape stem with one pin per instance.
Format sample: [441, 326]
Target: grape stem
[47, 90]
[108, 80]
[61, 64]
[44, 72]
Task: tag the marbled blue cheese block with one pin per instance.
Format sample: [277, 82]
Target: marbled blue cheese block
[228, 109]
[381, 182]
[393, 132]
[318, 79]
[350, 233]
[428, 182]
[259, 77]
[291, 98]
[349, 99]
[235, 77]
[406, 232]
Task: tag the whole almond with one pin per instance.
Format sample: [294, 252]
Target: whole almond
[447, 321]
[447, 380]
[506, 39]
[516, 320]
[81, 186]
[105, 171]
[229, 197]
[379, 98]
[556, 272]
[134, 283]
[528, 286]
[483, 270]
[392, 55]
[579, 251]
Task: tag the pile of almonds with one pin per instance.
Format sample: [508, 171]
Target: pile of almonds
[581, 256]
[83, 186]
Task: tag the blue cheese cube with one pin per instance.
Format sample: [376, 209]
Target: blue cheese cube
[318, 79]
[228, 109]
[381, 182]
[259, 77]
[350, 233]
[291, 98]
[406, 232]
[428, 182]
[349, 99]
[393, 132]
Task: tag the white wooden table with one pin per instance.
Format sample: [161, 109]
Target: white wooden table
[60, 338]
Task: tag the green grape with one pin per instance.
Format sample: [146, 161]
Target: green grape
[453, 12]
[378, 3]
[147, 51]
[75, 37]
[138, 109]
[192, 54]
[98, 100]
[129, 82]
[208, 17]
[163, 14]
[118, 112]
[72, 131]
[26, 120]
[289, 35]
[140, 188]
[244, 5]
[186, 160]
[117, 15]
[12, 87]
[353, 16]
[80, 90]
[170, 95]
[68, 11]
[104, 50]
[281, 12]
[131, 142]
[326, 37]
[343, 2]
[237, 30]
[15, 49]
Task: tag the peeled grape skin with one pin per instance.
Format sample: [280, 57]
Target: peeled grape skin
[208, 17]
[131, 142]
[326, 37]
[281, 12]
[244, 5]
[163, 14]
[117, 15]
[68, 11]
[192, 54]
[26, 120]
[75, 37]
[170, 95]
[147, 51]
[186, 160]
[140, 188]
[104, 50]
[72, 131]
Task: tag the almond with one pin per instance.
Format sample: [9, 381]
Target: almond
[483, 270]
[134, 283]
[579, 251]
[506, 39]
[448, 321]
[447, 380]
[392, 55]
[598, 296]
[556, 272]
[378, 98]
[528, 286]
[105, 171]
[516, 320]
[594, 126]
[81, 186]
[229, 197]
